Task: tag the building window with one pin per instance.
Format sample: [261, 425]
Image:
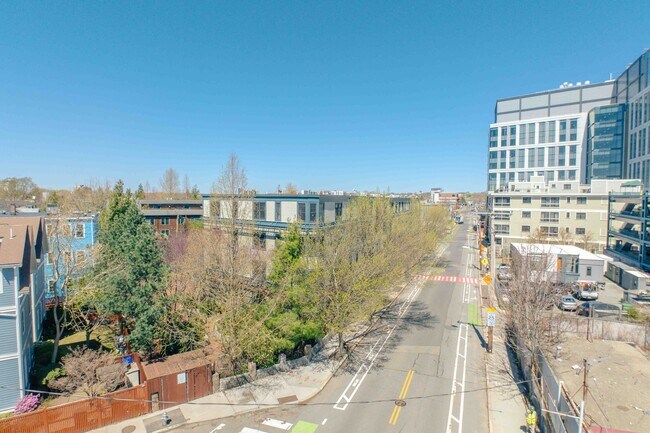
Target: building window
[80, 256]
[573, 131]
[525, 214]
[49, 259]
[502, 201]
[164, 232]
[550, 217]
[525, 229]
[513, 135]
[164, 221]
[550, 201]
[567, 186]
[312, 212]
[302, 213]
[259, 210]
[504, 136]
[278, 211]
[568, 215]
[51, 286]
[562, 130]
[79, 230]
[526, 200]
[494, 132]
[67, 257]
[580, 231]
[581, 216]
[568, 199]
[549, 231]
[589, 271]
[581, 200]
[501, 229]
[338, 210]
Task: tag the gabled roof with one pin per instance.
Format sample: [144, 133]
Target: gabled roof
[36, 227]
[12, 244]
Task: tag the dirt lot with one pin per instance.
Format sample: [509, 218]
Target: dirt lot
[618, 382]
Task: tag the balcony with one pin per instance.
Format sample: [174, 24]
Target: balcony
[632, 235]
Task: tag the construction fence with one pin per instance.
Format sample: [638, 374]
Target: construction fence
[603, 329]
[556, 411]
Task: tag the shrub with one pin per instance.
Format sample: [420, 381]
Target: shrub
[28, 403]
[52, 375]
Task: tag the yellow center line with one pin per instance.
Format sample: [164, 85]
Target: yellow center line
[405, 388]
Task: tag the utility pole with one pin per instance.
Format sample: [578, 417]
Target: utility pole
[585, 386]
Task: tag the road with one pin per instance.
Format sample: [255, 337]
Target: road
[408, 375]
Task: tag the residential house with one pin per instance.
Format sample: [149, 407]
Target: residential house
[23, 246]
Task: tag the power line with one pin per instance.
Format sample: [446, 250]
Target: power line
[196, 403]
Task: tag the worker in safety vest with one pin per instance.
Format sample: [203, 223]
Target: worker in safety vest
[531, 419]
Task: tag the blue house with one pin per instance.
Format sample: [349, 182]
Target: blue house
[70, 238]
[23, 246]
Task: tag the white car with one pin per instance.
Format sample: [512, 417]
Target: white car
[567, 303]
[586, 293]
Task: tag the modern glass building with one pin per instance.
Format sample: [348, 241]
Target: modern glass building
[605, 143]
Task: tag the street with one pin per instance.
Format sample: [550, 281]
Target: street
[421, 368]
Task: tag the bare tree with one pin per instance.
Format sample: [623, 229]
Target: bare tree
[187, 187]
[290, 188]
[91, 372]
[565, 237]
[67, 266]
[169, 183]
[19, 188]
[532, 290]
[586, 241]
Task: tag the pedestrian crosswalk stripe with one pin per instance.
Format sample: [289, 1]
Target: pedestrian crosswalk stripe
[447, 279]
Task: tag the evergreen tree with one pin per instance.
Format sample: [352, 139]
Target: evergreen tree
[139, 194]
[195, 193]
[130, 272]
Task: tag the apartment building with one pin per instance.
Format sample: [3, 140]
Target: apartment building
[168, 216]
[567, 211]
[70, 238]
[266, 216]
[23, 246]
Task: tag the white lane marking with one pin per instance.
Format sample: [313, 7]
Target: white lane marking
[217, 428]
[250, 430]
[324, 421]
[455, 384]
[282, 425]
[363, 370]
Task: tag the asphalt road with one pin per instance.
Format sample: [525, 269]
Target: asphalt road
[408, 375]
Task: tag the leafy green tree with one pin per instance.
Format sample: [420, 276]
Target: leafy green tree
[195, 193]
[130, 273]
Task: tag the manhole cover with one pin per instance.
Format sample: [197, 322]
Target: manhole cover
[400, 403]
[128, 429]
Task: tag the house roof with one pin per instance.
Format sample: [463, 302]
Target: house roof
[12, 244]
[555, 249]
[36, 227]
[180, 362]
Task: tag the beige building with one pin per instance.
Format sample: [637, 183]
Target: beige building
[560, 212]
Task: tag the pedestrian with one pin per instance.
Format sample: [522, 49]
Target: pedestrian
[531, 420]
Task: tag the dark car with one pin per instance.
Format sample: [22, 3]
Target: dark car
[597, 309]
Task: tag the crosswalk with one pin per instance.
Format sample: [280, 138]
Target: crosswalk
[447, 279]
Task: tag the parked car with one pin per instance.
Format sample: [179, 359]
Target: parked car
[503, 272]
[597, 309]
[643, 296]
[585, 292]
[567, 303]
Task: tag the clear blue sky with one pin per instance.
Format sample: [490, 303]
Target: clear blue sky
[327, 95]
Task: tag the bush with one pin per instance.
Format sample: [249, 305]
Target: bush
[28, 403]
[52, 375]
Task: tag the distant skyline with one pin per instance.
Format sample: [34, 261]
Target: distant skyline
[326, 95]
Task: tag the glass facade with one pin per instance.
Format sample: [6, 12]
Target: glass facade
[605, 139]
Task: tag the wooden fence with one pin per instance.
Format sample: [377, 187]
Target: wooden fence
[92, 413]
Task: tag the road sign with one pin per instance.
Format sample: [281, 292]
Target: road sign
[491, 317]
[487, 279]
[484, 262]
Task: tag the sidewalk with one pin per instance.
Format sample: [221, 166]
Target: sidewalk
[506, 401]
[295, 386]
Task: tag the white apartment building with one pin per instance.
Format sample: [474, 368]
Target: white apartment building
[560, 212]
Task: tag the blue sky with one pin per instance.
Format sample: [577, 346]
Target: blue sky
[327, 95]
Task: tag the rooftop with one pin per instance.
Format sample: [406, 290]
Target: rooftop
[555, 249]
